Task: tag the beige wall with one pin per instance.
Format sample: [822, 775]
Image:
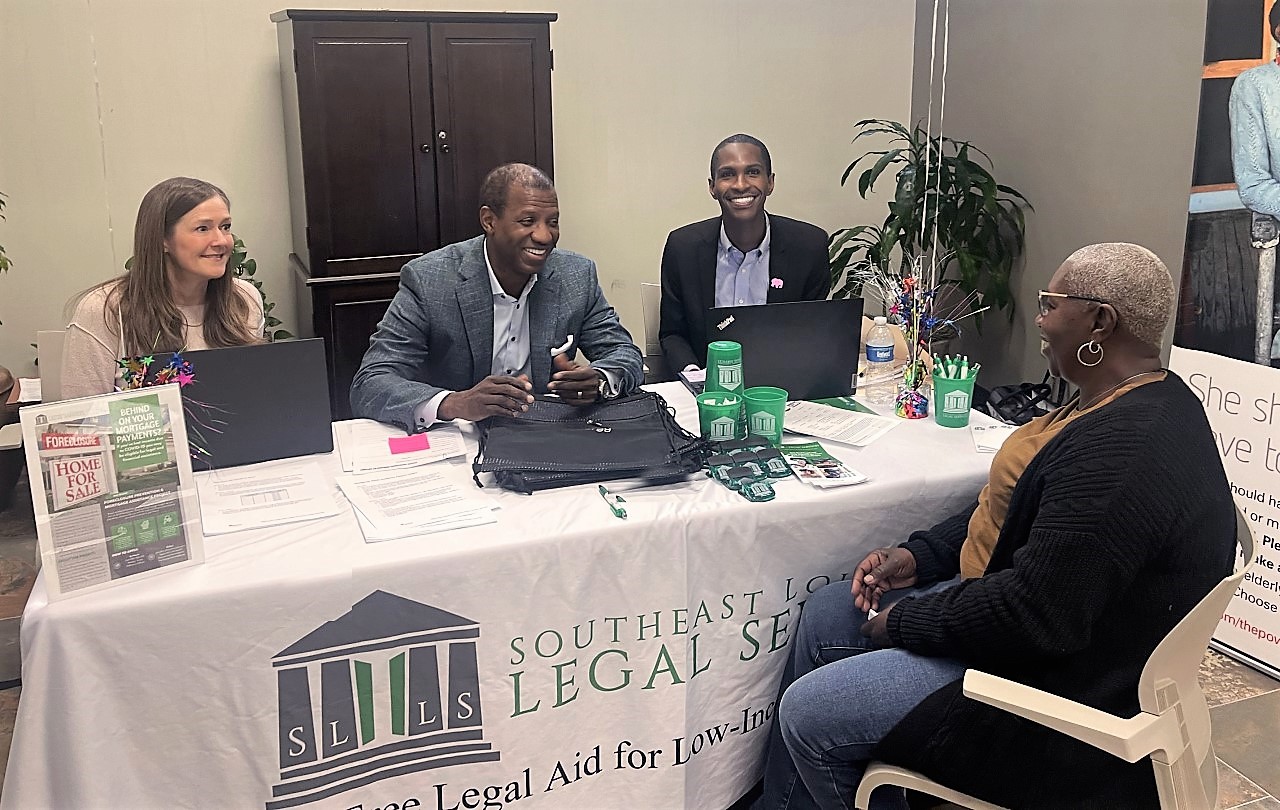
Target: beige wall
[1088, 107]
[100, 99]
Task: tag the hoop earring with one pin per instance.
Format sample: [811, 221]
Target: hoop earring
[1093, 347]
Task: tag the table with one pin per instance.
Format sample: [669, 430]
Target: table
[560, 657]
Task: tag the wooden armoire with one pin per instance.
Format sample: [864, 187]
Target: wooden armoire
[392, 119]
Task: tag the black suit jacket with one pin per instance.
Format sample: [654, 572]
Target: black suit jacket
[797, 255]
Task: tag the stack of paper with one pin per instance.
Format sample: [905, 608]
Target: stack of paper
[815, 466]
[421, 500]
[28, 389]
[365, 446]
[268, 494]
[988, 438]
[836, 424]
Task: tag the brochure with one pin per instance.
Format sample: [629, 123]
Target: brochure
[112, 488]
[837, 424]
[988, 438]
[814, 465]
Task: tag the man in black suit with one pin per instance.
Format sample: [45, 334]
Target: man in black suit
[744, 256]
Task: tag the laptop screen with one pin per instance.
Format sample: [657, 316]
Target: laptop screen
[257, 403]
[808, 348]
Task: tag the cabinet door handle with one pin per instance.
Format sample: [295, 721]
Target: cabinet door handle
[426, 147]
[443, 137]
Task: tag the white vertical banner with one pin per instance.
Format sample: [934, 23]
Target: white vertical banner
[1242, 401]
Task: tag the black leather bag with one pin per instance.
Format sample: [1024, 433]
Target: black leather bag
[1019, 404]
[555, 444]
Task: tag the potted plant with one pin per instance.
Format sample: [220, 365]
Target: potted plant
[245, 268]
[948, 213]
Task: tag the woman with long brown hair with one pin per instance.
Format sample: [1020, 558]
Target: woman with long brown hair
[176, 295]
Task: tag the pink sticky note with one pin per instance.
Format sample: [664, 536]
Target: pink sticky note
[408, 444]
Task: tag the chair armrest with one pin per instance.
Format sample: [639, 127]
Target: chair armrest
[11, 436]
[1129, 739]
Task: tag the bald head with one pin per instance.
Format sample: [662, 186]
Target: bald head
[1131, 279]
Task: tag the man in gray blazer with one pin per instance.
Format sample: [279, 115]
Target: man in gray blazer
[478, 326]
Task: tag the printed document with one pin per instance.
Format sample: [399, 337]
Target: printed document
[836, 424]
[419, 500]
[268, 494]
[988, 438]
[365, 445]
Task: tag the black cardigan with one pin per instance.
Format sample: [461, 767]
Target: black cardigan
[1116, 529]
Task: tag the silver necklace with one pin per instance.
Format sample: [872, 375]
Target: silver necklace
[1094, 400]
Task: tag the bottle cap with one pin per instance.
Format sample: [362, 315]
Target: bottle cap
[881, 320]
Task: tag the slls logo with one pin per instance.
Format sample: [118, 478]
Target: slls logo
[399, 692]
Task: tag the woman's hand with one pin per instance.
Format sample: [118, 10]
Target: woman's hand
[877, 628]
[884, 569]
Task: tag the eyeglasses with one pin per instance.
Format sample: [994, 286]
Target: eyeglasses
[1045, 294]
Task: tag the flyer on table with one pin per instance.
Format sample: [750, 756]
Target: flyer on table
[112, 488]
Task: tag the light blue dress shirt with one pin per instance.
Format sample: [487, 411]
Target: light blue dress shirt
[742, 279]
[1255, 137]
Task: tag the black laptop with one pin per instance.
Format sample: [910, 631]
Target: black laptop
[257, 403]
[808, 348]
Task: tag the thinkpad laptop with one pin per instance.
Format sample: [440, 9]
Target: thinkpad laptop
[808, 348]
[257, 403]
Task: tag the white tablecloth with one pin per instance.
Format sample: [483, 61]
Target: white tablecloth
[560, 657]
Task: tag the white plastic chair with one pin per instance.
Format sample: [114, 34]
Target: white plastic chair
[11, 436]
[651, 304]
[1172, 727]
[49, 359]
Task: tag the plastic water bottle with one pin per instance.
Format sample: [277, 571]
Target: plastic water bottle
[880, 384]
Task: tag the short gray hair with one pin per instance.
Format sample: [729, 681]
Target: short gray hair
[493, 191]
[1128, 277]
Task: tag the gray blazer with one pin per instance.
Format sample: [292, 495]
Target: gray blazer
[438, 331]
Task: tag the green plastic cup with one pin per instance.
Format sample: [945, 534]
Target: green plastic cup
[719, 415]
[724, 366]
[952, 400]
[765, 406]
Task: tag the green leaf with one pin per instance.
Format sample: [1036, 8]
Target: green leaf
[954, 206]
[869, 177]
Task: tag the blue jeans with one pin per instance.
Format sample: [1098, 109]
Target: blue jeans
[839, 699]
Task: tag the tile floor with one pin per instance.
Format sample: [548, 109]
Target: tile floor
[1245, 704]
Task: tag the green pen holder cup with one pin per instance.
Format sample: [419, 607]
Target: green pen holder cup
[952, 400]
[720, 416]
[765, 407]
[724, 367]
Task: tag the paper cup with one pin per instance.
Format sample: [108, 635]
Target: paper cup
[724, 366]
[765, 406]
[952, 400]
[719, 415]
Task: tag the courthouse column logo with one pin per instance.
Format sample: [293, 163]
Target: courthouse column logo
[955, 402]
[399, 692]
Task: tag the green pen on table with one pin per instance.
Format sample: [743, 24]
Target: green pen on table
[612, 501]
